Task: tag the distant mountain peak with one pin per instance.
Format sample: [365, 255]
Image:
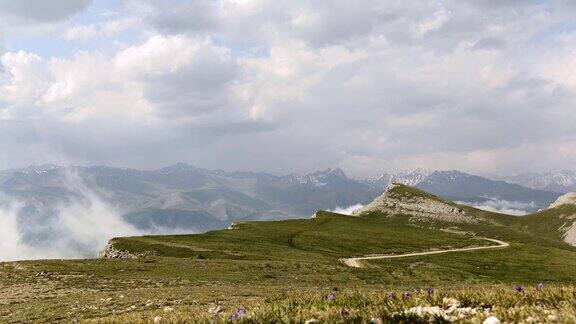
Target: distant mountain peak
[561, 181]
[178, 167]
[336, 172]
[411, 178]
[319, 178]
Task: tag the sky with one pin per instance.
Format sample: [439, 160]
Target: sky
[286, 86]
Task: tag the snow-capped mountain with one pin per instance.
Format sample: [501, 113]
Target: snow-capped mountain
[410, 178]
[320, 178]
[463, 187]
[558, 181]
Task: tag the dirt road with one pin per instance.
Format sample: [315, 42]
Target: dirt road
[356, 262]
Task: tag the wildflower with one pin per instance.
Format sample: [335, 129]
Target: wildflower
[330, 296]
[430, 291]
[416, 290]
[157, 320]
[519, 288]
[240, 312]
[344, 312]
[406, 295]
[540, 286]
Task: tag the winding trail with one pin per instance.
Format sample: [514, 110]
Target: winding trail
[356, 262]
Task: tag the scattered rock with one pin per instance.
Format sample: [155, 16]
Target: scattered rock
[450, 302]
[215, 310]
[110, 252]
[427, 311]
[491, 320]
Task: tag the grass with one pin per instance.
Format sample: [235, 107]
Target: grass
[283, 270]
[326, 237]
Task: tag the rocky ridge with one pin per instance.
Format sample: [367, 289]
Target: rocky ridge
[399, 201]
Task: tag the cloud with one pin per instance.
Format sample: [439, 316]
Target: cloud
[502, 206]
[110, 28]
[78, 226]
[42, 11]
[176, 17]
[180, 76]
[301, 85]
[347, 210]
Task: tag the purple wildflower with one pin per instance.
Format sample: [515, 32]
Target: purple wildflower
[406, 295]
[540, 286]
[330, 296]
[416, 290]
[519, 288]
[344, 312]
[430, 291]
[240, 312]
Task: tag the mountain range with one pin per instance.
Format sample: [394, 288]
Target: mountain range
[562, 181]
[186, 198]
[470, 189]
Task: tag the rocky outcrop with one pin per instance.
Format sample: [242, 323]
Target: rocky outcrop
[400, 200]
[567, 199]
[111, 252]
[568, 229]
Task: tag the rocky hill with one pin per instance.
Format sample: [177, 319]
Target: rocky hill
[399, 199]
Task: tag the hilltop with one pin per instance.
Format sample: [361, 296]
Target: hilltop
[280, 270]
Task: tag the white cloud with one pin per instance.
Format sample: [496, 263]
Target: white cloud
[25, 77]
[78, 228]
[84, 33]
[438, 18]
[180, 76]
[347, 210]
[502, 206]
[307, 85]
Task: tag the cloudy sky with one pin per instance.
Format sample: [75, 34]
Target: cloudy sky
[289, 86]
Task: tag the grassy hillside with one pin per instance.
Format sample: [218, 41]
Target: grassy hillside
[284, 270]
[324, 238]
[547, 222]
